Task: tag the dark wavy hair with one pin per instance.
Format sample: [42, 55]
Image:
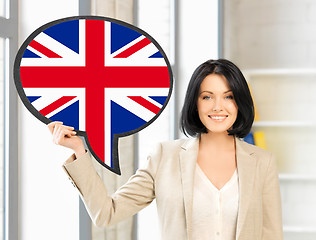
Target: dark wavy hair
[190, 122]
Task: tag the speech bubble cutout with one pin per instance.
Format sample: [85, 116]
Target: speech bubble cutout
[104, 77]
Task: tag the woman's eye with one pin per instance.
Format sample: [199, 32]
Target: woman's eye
[206, 97]
[229, 97]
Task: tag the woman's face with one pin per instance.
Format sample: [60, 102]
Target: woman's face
[216, 104]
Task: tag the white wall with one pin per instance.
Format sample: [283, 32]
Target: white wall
[48, 207]
[271, 33]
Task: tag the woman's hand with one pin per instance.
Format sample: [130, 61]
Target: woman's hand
[66, 136]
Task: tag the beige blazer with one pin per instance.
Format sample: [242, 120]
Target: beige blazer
[168, 177]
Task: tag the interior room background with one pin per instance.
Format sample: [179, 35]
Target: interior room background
[272, 41]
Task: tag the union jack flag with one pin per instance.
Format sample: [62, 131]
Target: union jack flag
[97, 75]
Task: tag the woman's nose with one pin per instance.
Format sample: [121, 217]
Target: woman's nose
[217, 105]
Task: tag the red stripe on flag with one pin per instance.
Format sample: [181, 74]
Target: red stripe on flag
[44, 50]
[145, 103]
[85, 77]
[131, 50]
[95, 118]
[54, 105]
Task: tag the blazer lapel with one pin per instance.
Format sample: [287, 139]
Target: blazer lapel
[188, 156]
[246, 164]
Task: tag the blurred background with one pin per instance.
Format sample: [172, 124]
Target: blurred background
[272, 41]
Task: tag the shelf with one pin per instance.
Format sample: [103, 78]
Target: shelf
[283, 124]
[296, 177]
[298, 229]
[278, 93]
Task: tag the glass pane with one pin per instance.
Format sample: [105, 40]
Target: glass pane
[2, 45]
[2, 8]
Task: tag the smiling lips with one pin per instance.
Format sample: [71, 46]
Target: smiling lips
[218, 118]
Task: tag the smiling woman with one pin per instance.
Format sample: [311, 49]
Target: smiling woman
[218, 185]
[230, 84]
[216, 105]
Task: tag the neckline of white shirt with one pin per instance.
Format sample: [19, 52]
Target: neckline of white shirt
[233, 178]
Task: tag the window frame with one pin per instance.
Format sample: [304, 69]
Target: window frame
[9, 31]
[85, 231]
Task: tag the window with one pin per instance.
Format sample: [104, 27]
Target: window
[8, 121]
[2, 8]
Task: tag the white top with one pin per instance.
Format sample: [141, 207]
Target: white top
[214, 214]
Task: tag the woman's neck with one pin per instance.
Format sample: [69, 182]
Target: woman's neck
[217, 141]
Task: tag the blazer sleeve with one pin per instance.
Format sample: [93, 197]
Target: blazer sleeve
[133, 196]
[272, 214]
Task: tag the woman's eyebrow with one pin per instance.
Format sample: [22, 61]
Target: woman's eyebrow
[228, 91]
[213, 93]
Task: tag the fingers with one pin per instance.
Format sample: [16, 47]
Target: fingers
[60, 132]
[66, 136]
[52, 125]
